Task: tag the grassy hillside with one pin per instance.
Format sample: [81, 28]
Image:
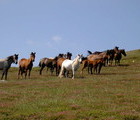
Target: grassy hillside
[112, 95]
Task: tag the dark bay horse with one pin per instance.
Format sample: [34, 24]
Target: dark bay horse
[118, 56]
[5, 64]
[26, 65]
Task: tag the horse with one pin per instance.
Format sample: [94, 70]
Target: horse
[49, 63]
[96, 64]
[111, 56]
[5, 64]
[69, 55]
[26, 65]
[71, 65]
[60, 60]
[59, 64]
[99, 55]
[118, 56]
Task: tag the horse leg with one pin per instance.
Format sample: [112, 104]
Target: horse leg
[66, 73]
[118, 61]
[56, 70]
[72, 73]
[52, 69]
[91, 69]
[6, 73]
[19, 72]
[61, 71]
[42, 67]
[26, 73]
[100, 66]
[29, 73]
[22, 71]
[95, 68]
[84, 66]
[2, 74]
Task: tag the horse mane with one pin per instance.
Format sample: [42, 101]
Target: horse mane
[84, 58]
[9, 57]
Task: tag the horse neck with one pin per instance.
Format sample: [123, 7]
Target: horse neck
[30, 60]
[10, 61]
[76, 61]
[122, 52]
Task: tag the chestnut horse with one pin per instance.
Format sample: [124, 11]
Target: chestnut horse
[26, 65]
[99, 55]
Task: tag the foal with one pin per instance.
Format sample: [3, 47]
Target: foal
[26, 65]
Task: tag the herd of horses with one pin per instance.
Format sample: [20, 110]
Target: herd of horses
[62, 64]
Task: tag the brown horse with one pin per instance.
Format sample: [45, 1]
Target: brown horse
[49, 63]
[26, 65]
[96, 64]
[59, 64]
[99, 55]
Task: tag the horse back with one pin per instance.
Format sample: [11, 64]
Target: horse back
[60, 61]
[94, 57]
[67, 64]
[24, 62]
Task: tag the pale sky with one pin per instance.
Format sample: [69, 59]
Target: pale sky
[50, 27]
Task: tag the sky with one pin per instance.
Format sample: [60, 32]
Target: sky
[50, 27]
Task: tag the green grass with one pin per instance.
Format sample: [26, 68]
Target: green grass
[113, 95]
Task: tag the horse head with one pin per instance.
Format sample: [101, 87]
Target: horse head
[79, 57]
[69, 55]
[32, 56]
[123, 52]
[15, 58]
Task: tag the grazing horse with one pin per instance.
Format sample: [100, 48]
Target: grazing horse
[118, 56]
[49, 63]
[71, 65]
[5, 64]
[26, 65]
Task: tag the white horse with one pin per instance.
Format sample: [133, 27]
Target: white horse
[71, 65]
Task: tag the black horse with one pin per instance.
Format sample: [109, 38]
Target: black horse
[118, 56]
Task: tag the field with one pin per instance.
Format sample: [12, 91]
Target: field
[112, 95]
